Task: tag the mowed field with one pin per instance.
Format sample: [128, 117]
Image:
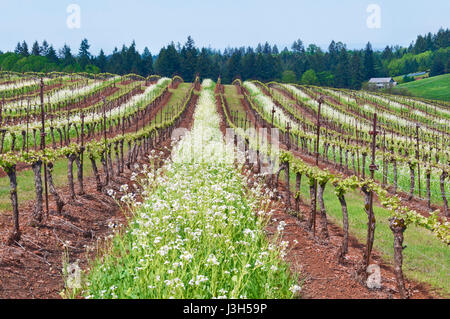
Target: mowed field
[436, 87]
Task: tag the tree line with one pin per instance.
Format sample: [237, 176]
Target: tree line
[337, 66]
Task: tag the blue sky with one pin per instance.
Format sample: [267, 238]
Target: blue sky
[218, 24]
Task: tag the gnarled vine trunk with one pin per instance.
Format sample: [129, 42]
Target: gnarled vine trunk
[105, 169]
[38, 206]
[71, 158]
[59, 202]
[344, 247]
[298, 181]
[412, 184]
[96, 173]
[122, 164]
[370, 224]
[398, 227]
[15, 234]
[312, 193]
[428, 177]
[444, 175]
[323, 213]
[394, 164]
[79, 175]
[364, 165]
[288, 188]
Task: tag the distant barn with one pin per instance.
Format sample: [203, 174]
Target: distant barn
[382, 82]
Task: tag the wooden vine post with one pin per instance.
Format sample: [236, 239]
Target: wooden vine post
[397, 225]
[317, 163]
[28, 121]
[80, 169]
[371, 223]
[43, 145]
[288, 129]
[418, 157]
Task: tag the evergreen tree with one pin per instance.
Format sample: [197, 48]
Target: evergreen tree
[147, 62]
[51, 54]
[438, 66]
[101, 61]
[114, 64]
[275, 49]
[36, 49]
[249, 65]
[84, 57]
[188, 60]
[24, 51]
[332, 56]
[420, 46]
[133, 60]
[259, 49]
[387, 54]
[234, 66]
[267, 49]
[168, 62]
[343, 75]
[18, 49]
[66, 55]
[298, 47]
[45, 48]
[369, 62]
[204, 64]
[356, 68]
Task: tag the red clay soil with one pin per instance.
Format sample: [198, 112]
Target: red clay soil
[32, 268]
[321, 275]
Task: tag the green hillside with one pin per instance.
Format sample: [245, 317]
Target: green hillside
[436, 87]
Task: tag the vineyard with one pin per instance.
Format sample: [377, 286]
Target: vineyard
[204, 190]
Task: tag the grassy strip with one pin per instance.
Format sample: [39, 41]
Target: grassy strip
[435, 88]
[175, 100]
[196, 234]
[425, 259]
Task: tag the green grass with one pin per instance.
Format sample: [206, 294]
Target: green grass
[436, 87]
[175, 100]
[25, 183]
[425, 259]
[234, 101]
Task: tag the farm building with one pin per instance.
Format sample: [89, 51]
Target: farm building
[382, 82]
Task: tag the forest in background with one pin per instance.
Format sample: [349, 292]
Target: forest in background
[336, 67]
